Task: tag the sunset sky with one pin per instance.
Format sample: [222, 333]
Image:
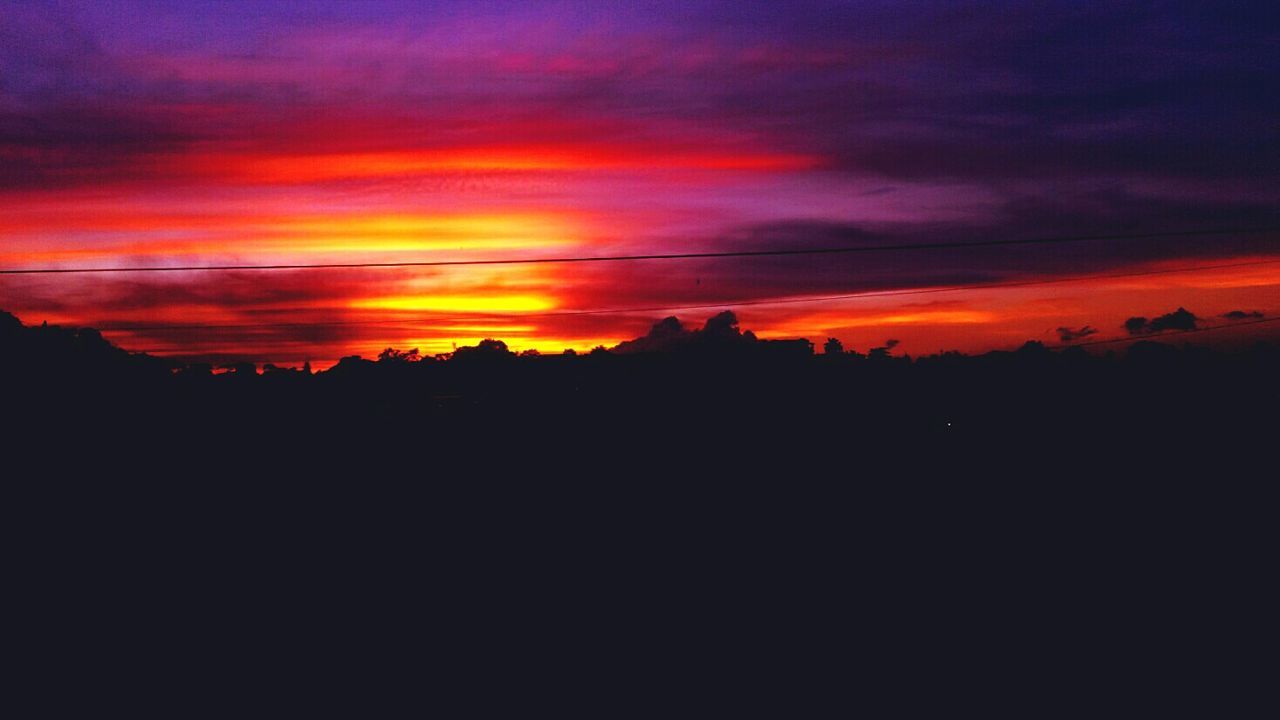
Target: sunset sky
[153, 134]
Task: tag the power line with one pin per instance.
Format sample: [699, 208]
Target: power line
[778, 252]
[727, 304]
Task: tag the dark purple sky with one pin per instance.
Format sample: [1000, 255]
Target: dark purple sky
[186, 133]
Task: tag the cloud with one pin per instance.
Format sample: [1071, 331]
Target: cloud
[1066, 334]
[884, 350]
[1180, 319]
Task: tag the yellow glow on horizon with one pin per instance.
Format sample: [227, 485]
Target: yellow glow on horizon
[458, 303]
[287, 236]
[815, 324]
[424, 232]
[544, 345]
[825, 324]
[472, 329]
[942, 317]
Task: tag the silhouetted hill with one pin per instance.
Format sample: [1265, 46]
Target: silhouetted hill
[52, 352]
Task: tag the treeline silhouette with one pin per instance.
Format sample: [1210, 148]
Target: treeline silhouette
[675, 384]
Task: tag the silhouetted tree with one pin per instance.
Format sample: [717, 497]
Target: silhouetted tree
[487, 350]
[1180, 319]
[716, 376]
[391, 355]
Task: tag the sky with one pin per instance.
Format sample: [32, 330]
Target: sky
[177, 134]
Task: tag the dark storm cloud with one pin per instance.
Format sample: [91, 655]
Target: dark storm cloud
[81, 145]
[1097, 213]
[234, 291]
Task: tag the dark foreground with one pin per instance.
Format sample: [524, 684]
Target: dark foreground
[720, 401]
[671, 533]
